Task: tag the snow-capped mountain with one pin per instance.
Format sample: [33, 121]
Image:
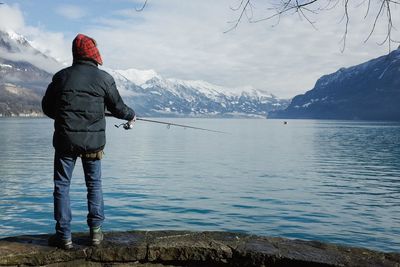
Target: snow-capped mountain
[29, 70]
[138, 77]
[154, 95]
[368, 91]
[17, 48]
[22, 80]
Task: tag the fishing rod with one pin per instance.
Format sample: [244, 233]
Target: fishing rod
[127, 126]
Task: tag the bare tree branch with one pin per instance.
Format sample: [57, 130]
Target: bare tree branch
[143, 6]
[366, 13]
[245, 5]
[239, 6]
[287, 6]
[346, 15]
[304, 8]
[375, 21]
[301, 13]
[389, 24]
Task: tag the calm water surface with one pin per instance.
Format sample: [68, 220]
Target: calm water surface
[332, 181]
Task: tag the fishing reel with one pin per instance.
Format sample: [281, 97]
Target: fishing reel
[126, 125]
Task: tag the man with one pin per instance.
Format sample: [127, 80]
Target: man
[76, 99]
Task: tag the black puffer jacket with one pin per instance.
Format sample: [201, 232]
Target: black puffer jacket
[76, 99]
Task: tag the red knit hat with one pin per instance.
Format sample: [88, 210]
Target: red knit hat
[84, 47]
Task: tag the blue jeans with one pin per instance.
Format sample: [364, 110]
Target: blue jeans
[63, 168]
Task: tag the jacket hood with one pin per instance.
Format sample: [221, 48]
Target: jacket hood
[85, 48]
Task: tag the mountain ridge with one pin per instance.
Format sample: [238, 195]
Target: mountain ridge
[367, 91]
[26, 68]
[174, 97]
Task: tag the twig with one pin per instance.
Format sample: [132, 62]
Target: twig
[240, 16]
[245, 8]
[346, 14]
[375, 21]
[143, 6]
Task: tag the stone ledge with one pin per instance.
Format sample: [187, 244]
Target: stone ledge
[182, 248]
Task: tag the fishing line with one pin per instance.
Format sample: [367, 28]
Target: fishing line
[127, 126]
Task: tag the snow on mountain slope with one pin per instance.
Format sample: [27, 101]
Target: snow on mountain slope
[368, 91]
[138, 77]
[15, 47]
[159, 96]
[17, 37]
[150, 78]
[150, 94]
[125, 87]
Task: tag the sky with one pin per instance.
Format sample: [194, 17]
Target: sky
[187, 39]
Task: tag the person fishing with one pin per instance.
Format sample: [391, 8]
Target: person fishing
[76, 99]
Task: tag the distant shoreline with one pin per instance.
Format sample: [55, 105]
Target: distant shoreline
[23, 116]
[42, 115]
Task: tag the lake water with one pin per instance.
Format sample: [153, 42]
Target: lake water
[331, 181]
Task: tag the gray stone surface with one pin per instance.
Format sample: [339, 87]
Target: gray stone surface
[181, 248]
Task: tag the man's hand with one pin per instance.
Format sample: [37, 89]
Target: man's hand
[129, 124]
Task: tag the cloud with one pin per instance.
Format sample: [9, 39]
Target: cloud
[71, 12]
[185, 40]
[11, 17]
[51, 44]
[35, 59]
